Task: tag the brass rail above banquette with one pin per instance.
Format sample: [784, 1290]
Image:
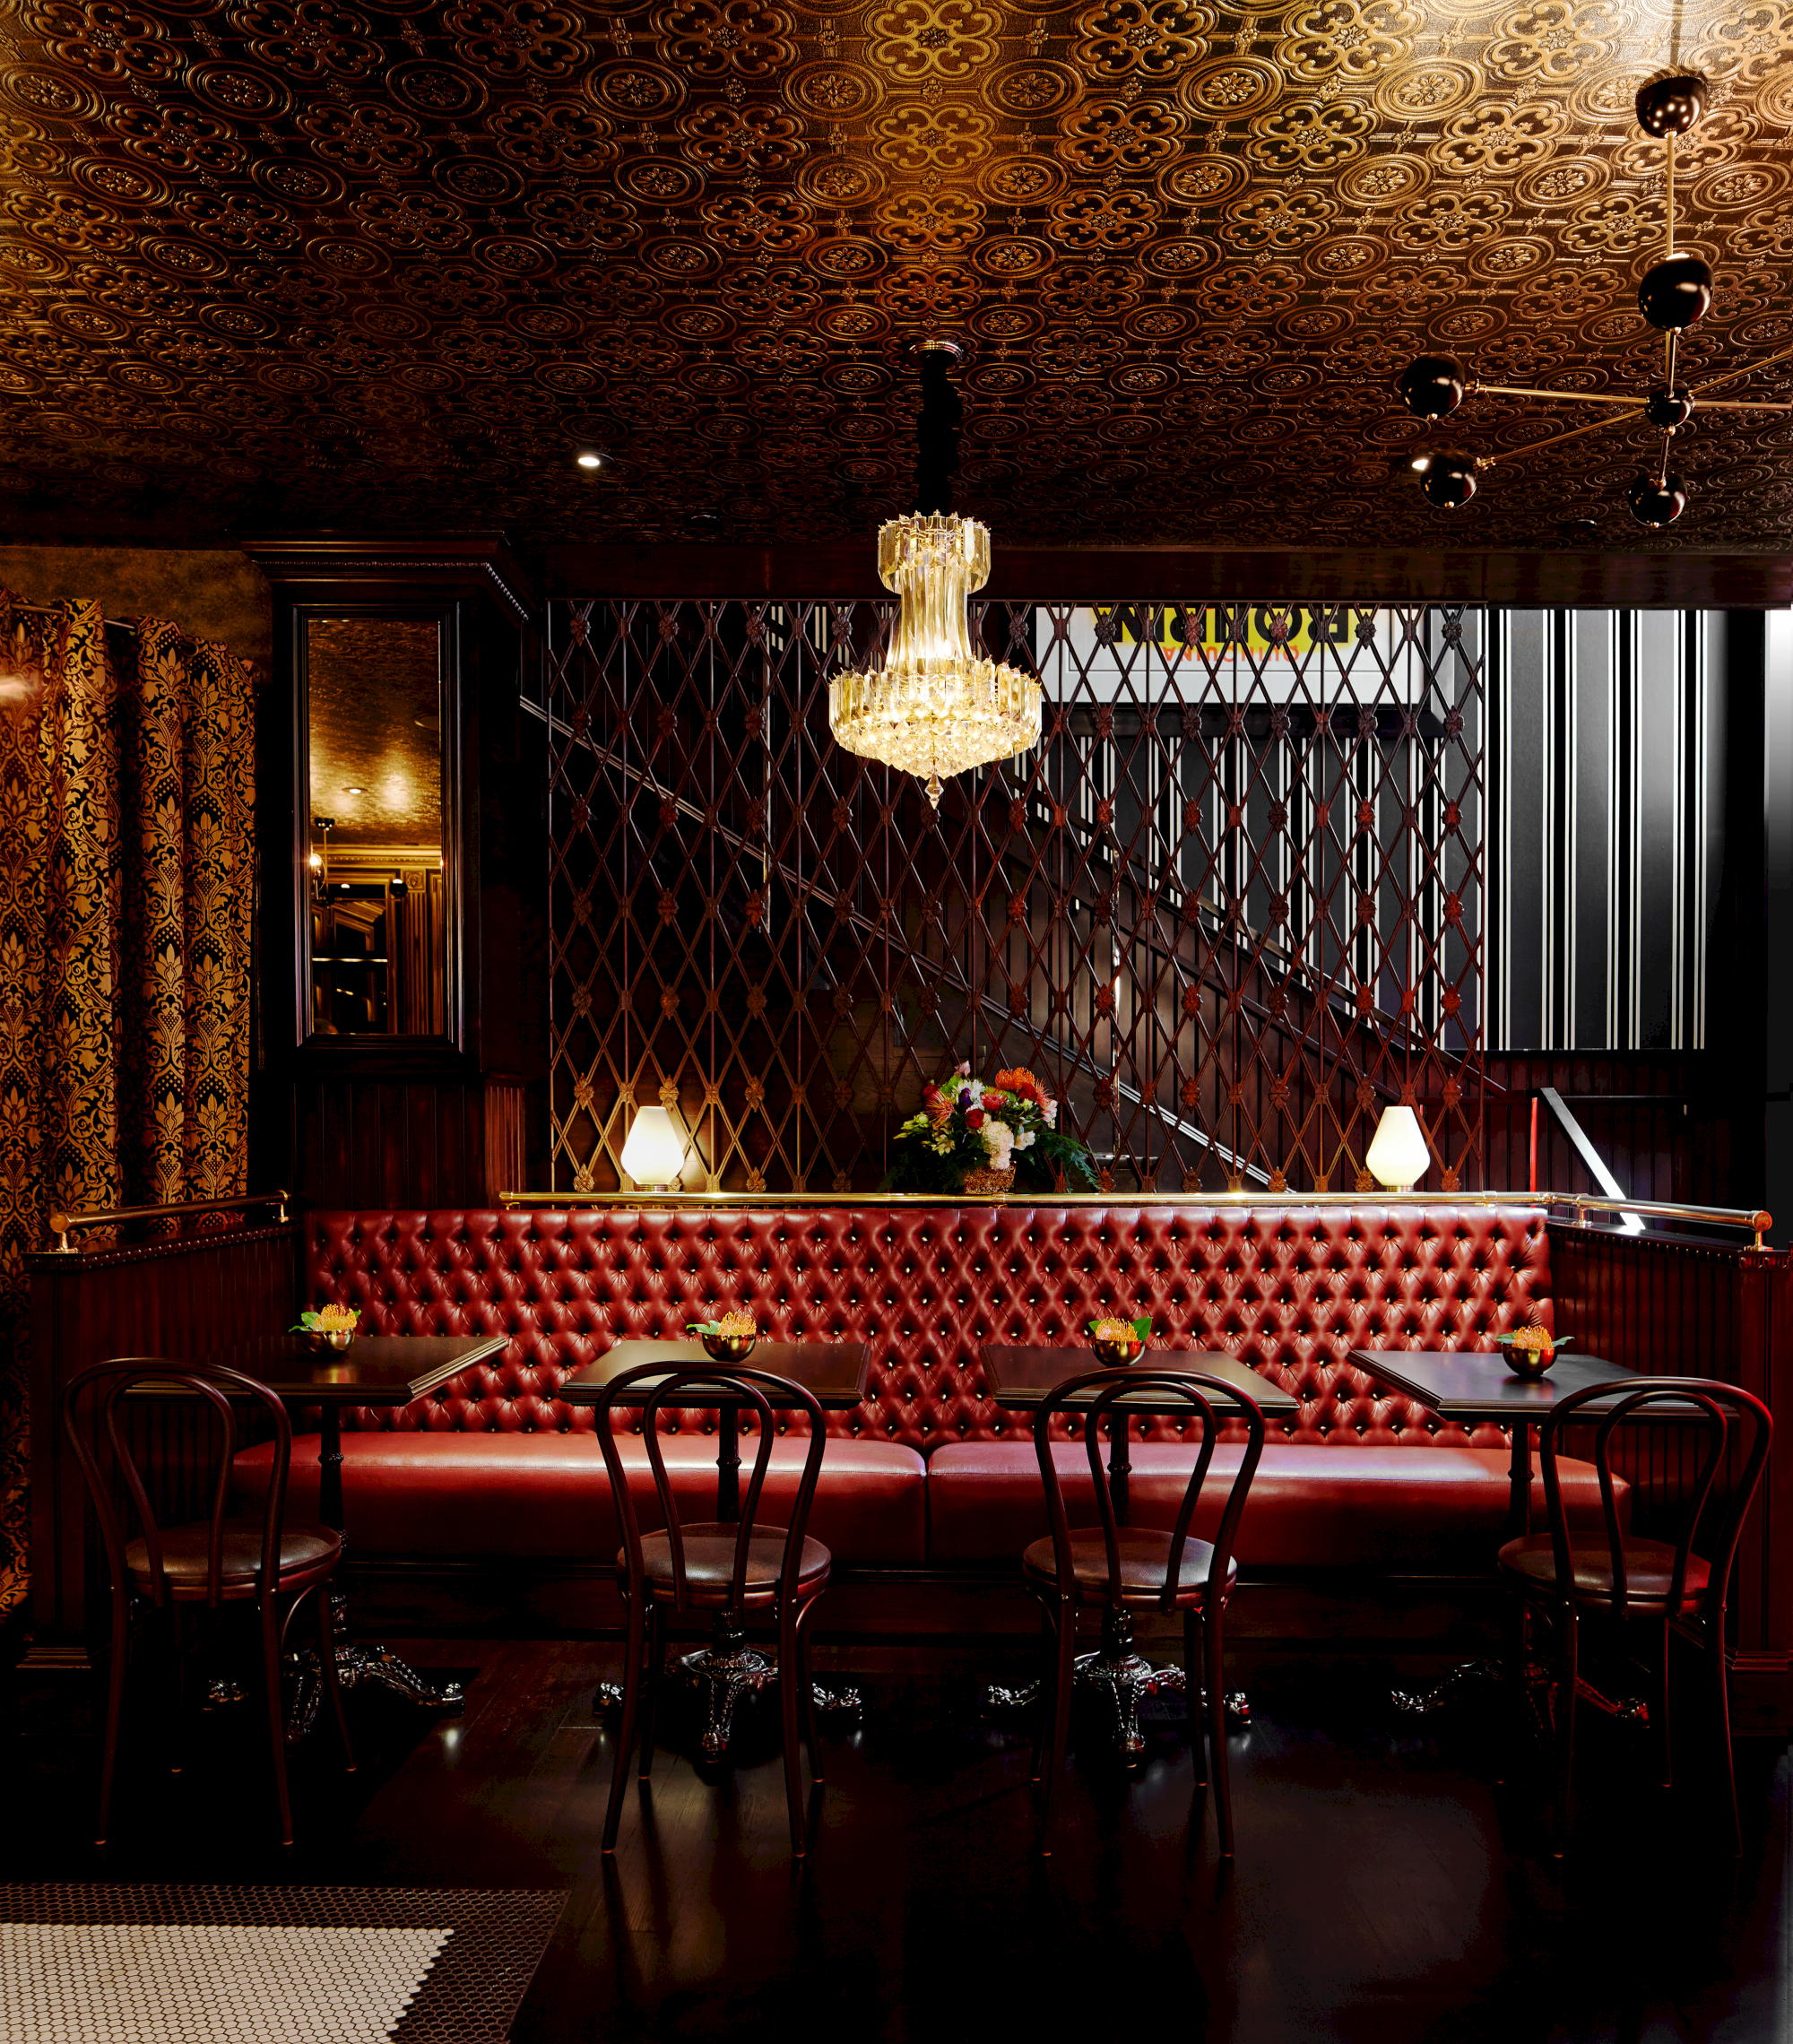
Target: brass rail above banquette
[1750, 1219]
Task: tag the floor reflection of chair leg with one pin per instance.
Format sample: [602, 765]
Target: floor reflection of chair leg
[115, 1710]
[1565, 1727]
[806, 1677]
[1064, 1672]
[1716, 1627]
[1213, 1647]
[631, 1697]
[1661, 1709]
[1043, 1702]
[652, 1667]
[271, 1679]
[790, 1681]
[1192, 1700]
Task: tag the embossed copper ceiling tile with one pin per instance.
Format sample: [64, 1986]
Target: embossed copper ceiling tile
[420, 252]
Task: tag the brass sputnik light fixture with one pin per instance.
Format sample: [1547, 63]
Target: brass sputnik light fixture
[1675, 293]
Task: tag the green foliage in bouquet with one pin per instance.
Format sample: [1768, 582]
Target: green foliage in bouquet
[965, 1125]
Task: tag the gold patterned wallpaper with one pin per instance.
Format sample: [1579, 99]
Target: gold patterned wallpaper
[320, 261]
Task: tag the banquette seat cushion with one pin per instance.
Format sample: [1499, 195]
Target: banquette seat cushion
[538, 1496]
[1394, 1511]
[498, 1461]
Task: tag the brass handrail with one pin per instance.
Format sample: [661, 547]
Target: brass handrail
[1759, 1221]
[1744, 1217]
[63, 1225]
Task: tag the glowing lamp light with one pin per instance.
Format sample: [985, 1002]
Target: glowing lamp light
[1399, 1154]
[653, 1154]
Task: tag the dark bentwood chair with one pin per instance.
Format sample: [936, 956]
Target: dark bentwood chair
[1122, 1569]
[728, 1570]
[212, 1562]
[1665, 1583]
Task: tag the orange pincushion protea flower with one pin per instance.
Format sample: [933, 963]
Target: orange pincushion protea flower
[1533, 1338]
[736, 1325]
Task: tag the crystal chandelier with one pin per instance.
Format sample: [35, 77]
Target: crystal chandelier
[935, 707]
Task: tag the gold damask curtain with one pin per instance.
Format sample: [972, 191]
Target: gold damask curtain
[126, 800]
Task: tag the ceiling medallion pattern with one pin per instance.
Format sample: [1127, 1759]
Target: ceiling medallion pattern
[265, 260]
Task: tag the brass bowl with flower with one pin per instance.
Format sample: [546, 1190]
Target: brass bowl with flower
[730, 1339]
[1117, 1341]
[330, 1327]
[1530, 1351]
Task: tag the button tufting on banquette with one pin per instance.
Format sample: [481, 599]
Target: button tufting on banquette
[1290, 1292]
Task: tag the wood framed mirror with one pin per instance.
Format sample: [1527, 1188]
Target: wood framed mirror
[379, 799]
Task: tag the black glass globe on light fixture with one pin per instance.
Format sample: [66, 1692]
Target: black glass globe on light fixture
[1676, 292]
[1674, 295]
[1448, 480]
[1657, 500]
[1433, 386]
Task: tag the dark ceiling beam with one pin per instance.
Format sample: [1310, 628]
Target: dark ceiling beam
[1657, 580]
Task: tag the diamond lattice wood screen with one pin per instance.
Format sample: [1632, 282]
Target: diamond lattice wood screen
[1228, 910]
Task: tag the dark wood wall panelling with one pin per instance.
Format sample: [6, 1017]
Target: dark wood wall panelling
[1673, 1309]
[187, 1297]
[365, 1141]
[1646, 1112]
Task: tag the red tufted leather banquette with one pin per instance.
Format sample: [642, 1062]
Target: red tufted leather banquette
[927, 1465]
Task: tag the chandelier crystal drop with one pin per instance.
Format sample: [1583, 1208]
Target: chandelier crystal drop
[935, 707]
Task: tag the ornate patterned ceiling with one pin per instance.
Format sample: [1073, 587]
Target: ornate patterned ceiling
[372, 265]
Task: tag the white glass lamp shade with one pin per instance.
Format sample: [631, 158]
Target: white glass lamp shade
[1398, 1155]
[653, 1152]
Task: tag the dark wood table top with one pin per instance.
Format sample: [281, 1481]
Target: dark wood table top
[1020, 1378]
[833, 1372]
[374, 1370]
[1476, 1384]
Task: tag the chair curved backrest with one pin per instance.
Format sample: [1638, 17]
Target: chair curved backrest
[749, 1389]
[1111, 1387]
[113, 1382]
[1719, 1407]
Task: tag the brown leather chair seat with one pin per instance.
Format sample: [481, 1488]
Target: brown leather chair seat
[306, 1553]
[1649, 1565]
[709, 1563]
[1144, 1558]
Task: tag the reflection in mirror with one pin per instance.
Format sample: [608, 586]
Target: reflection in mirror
[374, 806]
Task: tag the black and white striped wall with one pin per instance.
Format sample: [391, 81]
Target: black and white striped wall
[1605, 825]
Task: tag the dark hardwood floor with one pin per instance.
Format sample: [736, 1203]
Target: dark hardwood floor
[1386, 1888]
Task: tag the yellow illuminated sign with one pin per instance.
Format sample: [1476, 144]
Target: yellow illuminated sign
[1272, 632]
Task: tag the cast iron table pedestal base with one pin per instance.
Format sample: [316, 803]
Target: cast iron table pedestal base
[1125, 1677]
[355, 1663]
[721, 1674]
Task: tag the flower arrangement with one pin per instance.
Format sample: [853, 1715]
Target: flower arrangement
[736, 1326]
[977, 1136]
[729, 1340]
[1530, 1349]
[1120, 1341]
[334, 1324]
